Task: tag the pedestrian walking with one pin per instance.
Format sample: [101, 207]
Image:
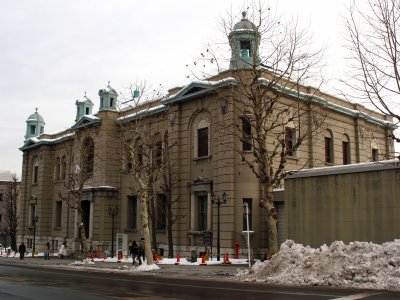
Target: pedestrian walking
[47, 251]
[141, 250]
[21, 250]
[62, 251]
[135, 252]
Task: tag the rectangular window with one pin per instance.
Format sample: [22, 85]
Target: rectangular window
[202, 142]
[249, 202]
[1, 196]
[33, 129]
[328, 150]
[132, 212]
[87, 110]
[139, 154]
[345, 152]
[290, 140]
[161, 221]
[35, 174]
[245, 48]
[202, 206]
[58, 214]
[128, 157]
[375, 155]
[158, 154]
[246, 130]
[33, 214]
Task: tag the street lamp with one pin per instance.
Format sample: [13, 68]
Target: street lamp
[112, 211]
[218, 201]
[35, 219]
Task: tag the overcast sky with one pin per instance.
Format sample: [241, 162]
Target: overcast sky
[52, 51]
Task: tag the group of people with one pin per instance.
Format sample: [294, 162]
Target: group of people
[46, 254]
[137, 253]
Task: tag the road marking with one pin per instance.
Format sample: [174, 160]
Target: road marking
[358, 296]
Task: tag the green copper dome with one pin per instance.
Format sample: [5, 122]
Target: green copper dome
[244, 24]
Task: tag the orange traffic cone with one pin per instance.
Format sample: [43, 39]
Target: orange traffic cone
[178, 260]
[226, 260]
[155, 258]
[203, 261]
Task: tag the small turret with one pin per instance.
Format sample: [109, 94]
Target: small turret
[108, 98]
[83, 107]
[244, 40]
[34, 125]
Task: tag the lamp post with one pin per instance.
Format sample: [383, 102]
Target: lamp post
[218, 201]
[247, 212]
[35, 219]
[112, 211]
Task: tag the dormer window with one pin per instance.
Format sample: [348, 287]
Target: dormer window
[245, 49]
[111, 102]
[87, 111]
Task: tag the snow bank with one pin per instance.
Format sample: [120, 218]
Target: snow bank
[356, 265]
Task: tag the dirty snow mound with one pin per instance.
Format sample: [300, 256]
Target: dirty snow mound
[357, 265]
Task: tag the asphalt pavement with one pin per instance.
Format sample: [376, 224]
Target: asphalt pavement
[217, 271]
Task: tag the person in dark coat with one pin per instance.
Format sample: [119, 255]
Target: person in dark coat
[135, 254]
[21, 250]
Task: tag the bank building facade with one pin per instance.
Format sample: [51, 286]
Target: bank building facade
[196, 123]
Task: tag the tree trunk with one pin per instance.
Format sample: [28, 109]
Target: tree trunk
[146, 229]
[83, 238]
[272, 220]
[152, 210]
[169, 227]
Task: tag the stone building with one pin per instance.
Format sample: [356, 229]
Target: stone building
[201, 120]
[6, 178]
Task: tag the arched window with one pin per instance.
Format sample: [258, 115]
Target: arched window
[346, 154]
[87, 156]
[202, 138]
[328, 139]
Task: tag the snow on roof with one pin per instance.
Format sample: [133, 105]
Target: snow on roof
[7, 176]
[333, 106]
[144, 111]
[345, 169]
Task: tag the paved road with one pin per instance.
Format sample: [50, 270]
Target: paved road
[55, 279]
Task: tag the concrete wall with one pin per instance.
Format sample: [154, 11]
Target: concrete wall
[344, 204]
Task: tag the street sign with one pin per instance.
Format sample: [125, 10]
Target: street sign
[207, 238]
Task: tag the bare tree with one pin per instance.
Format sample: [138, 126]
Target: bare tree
[272, 60]
[81, 170]
[168, 186]
[10, 208]
[373, 41]
[140, 128]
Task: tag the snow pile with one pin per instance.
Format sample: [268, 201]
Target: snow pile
[356, 265]
[86, 261]
[145, 268]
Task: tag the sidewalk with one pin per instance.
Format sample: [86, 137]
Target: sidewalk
[214, 270]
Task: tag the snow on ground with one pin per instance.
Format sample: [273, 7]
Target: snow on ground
[356, 265]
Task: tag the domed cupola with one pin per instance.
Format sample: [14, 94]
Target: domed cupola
[34, 125]
[83, 107]
[108, 98]
[244, 40]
